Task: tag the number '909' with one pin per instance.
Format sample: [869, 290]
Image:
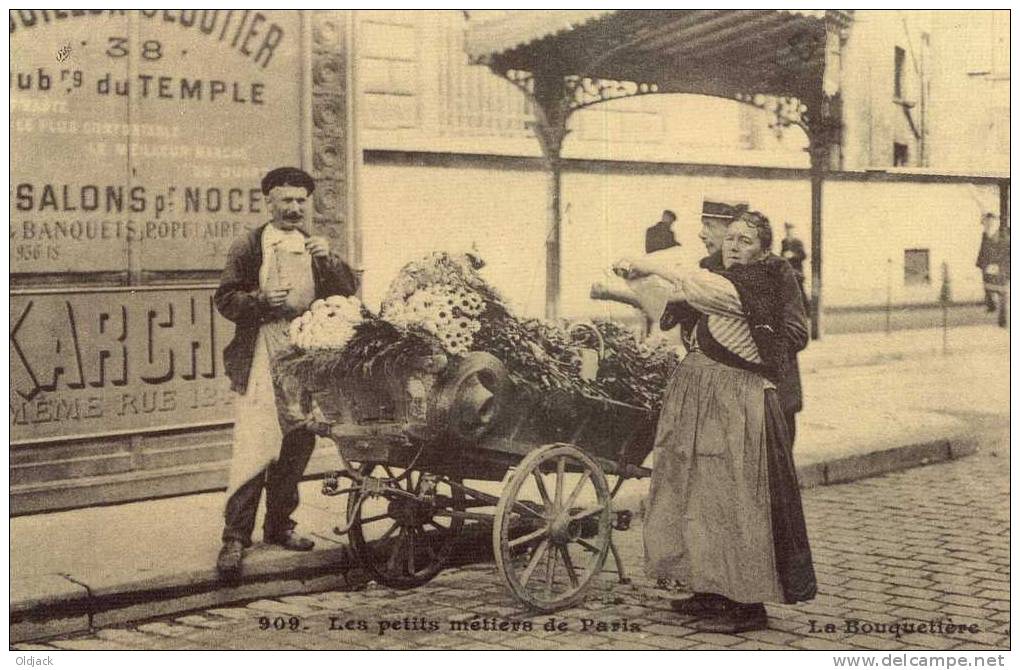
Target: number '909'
[279, 623]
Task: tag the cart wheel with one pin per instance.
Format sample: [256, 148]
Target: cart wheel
[552, 528]
[404, 541]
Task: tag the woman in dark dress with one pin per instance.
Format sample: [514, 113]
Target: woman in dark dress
[724, 511]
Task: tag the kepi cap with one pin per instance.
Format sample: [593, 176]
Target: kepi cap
[717, 209]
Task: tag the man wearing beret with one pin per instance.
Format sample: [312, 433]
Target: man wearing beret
[272, 275]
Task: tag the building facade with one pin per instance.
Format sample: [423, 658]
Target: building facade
[136, 153]
[442, 137]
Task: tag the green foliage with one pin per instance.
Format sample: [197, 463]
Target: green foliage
[541, 357]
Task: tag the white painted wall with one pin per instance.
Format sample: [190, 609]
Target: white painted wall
[869, 225]
[408, 211]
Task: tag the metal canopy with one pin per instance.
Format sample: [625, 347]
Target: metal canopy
[711, 52]
[786, 61]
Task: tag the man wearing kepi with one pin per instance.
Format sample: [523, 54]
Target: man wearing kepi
[272, 275]
[716, 218]
[724, 516]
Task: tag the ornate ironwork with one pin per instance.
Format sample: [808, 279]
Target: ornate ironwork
[555, 97]
[588, 91]
[786, 110]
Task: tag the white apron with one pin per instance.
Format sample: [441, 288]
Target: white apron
[258, 416]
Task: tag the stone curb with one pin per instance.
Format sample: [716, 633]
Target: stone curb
[50, 605]
[44, 606]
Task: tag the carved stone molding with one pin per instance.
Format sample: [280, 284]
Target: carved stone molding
[328, 115]
[329, 120]
[328, 71]
[326, 33]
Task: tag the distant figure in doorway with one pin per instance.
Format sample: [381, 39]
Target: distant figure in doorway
[993, 260]
[793, 251]
[661, 236]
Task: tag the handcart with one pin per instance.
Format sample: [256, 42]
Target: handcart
[410, 442]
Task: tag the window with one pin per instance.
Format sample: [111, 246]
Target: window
[900, 154]
[900, 57]
[916, 267]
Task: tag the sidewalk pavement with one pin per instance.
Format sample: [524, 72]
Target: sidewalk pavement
[875, 403]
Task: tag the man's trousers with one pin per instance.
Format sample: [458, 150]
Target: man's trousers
[280, 480]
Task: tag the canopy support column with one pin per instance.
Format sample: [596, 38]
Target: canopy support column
[552, 109]
[825, 132]
[818, 160]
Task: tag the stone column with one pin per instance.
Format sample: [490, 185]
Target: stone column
[331, 136]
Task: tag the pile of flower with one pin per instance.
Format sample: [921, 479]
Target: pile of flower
[441, 304]
[328, 324]
[439, 268]
[448, 312]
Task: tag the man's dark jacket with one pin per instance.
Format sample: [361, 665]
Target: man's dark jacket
[237, 299]
[659, 237]
[794, 326]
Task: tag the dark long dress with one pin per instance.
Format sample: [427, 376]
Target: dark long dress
[724, 513]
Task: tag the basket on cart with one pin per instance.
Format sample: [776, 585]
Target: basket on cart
[409, 440]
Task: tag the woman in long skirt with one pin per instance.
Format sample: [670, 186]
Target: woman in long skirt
[724, 516]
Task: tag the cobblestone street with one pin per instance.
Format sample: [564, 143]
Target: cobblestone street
[925, 545]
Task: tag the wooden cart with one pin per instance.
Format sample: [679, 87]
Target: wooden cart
[408, 445]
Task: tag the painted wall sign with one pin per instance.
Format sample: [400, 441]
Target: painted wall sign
[114, 361]
[138, 138]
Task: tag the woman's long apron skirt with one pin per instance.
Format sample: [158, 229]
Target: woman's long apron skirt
[724, 511]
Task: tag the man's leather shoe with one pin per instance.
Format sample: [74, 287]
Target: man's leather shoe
[700, 604]
[739, 619]
[288, 539]
[228, 563]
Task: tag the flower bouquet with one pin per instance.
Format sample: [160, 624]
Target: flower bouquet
[439, 308]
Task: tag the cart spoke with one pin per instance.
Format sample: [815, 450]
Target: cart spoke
[588, 545]
[389, 473]
[524, 508]
[438, 526]
[389, 532]
[373, 519]
[541, 488]
[429, 546]
[392, 563]
[530, 537]
[410, 550]
[550, 570]
[587, 511]
[577, 489]
[565, 552]
[561, 464]
[533, 563]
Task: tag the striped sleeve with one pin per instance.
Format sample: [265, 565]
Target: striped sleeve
[734, 334]
[712, 294]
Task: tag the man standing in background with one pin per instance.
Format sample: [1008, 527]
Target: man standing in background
[716, 217]
[793, 251]
[661, 236]
[994, 262]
